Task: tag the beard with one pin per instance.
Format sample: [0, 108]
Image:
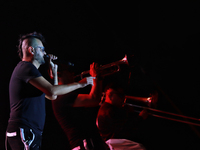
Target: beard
[39, 58]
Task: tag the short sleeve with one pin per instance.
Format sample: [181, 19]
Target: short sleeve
[27, 71]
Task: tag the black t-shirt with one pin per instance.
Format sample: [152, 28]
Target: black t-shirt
[118, 122]
[78, 123]
[27, 103]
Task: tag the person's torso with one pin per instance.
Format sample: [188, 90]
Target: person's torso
[27, 103]
[78, 123]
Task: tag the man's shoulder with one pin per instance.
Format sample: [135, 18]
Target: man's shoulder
[25, 71]
[105, 109]
[26, 63]
[105, 106]
[23, 65]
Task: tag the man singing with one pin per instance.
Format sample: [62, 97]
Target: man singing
[27, 91]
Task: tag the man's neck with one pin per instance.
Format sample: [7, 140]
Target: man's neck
[34, 62]
[114, 103]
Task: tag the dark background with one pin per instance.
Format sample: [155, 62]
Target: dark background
[163, 37]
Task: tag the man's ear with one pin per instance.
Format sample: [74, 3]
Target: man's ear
[31, 50]
[110, 95]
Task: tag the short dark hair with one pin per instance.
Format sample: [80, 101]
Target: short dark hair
[119, 89]
[115, 86]
[28, 36]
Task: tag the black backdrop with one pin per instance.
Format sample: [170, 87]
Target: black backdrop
[163, 37]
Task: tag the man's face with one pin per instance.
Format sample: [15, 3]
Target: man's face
[39, 51]
[65, 77]
[116, 97]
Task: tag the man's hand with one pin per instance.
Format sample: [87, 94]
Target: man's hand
[144, 114]
[53, 67]
[94, 69]
[86, 81]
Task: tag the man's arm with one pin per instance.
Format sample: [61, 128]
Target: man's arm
[53, 90]
[94, 97]
[53, 73]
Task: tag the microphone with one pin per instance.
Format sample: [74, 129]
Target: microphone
[58, 61]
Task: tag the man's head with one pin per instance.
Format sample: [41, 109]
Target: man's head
[65, 74]
[115, 94]
[31, 46]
